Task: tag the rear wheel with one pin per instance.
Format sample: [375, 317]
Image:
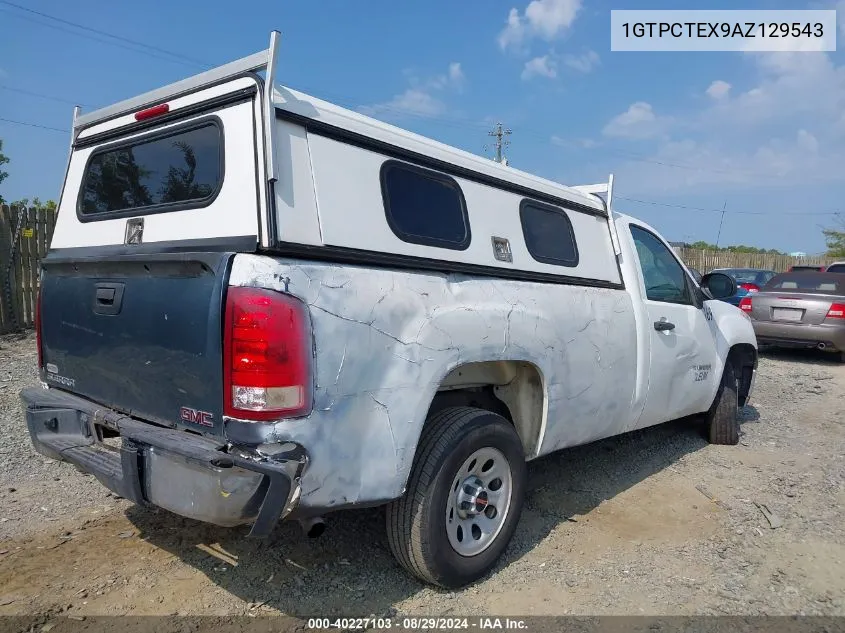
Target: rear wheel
[722, 421]
[464, 498]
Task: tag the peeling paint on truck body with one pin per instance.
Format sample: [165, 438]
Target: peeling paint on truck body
[385, 339]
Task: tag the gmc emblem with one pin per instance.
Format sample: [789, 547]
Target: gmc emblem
[193, 416]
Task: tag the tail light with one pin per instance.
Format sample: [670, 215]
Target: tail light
[837, 311]
[38, 336]
[267, 355]
[745, 304]
[750, 287]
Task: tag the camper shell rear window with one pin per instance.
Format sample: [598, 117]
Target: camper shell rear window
[170, 170]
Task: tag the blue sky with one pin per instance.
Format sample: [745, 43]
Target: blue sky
[761, 133]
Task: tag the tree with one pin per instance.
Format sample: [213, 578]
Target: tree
[3, 160]
[835, 241]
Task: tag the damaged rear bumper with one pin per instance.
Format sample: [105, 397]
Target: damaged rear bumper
[194, 476]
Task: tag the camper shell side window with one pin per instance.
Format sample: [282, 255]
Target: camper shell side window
[548, 233]
[424, 206]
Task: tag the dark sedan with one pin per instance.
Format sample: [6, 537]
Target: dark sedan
[801, 309]
[748, 280]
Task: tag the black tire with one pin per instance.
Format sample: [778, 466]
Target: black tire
[722, 421]
[416, 522]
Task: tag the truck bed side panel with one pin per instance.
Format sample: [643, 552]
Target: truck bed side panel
[386, 338]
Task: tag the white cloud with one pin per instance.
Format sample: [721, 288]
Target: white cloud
[789, 85]
[540, 67]
[798, 161]
[583, 63]
[413, 101]
[542, 18]
[807, 142]
[456, 74]
[638, 122]
[785, 128]
[453, 78]
[718, 89]
[419, 99]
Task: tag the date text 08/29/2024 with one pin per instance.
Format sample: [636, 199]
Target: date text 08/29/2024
[416, 623]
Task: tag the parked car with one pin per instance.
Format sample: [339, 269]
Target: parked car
[836, 267]
[806, 268]
[351, 315]
[801, 309]
[748, 280]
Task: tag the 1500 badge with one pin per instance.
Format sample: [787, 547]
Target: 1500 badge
[700, 372]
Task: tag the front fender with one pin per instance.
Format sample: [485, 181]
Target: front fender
[731, 327]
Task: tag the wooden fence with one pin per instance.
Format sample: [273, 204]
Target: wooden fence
[25, 235]
[705, 261]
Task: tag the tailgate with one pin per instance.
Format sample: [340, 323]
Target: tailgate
[139, 334]
[155, 204]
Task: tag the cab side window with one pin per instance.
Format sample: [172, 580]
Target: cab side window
[664, 277]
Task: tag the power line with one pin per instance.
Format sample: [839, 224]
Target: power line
[107, 34]
[147, 49]
[151, 50]
[689, 208]
[42, 127]
[43, 96]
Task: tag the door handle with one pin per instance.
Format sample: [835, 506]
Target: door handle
[105, 296]
[663, 325]
[108, 298]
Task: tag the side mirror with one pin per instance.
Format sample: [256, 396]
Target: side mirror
[719, 285]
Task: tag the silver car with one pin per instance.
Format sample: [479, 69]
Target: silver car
[800, 309]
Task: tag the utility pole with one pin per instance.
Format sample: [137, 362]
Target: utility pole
[500, 135]
[719, 234]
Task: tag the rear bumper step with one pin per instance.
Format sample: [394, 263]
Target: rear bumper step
[190, 475]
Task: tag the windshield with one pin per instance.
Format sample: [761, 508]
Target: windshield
[836, 268]
[817, 283]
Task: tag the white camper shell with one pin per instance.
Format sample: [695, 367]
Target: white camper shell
[286, 308]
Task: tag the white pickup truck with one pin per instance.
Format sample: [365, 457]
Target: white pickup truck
[260, 306]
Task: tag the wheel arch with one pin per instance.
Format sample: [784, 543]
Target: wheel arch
[514, 389]
[744, 358]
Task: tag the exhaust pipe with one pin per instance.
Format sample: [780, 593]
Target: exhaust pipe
[313, 527]
[821, 345]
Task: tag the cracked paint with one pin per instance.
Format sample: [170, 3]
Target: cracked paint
[385, 339]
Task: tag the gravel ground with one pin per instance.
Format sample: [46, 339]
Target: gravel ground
[655, 522]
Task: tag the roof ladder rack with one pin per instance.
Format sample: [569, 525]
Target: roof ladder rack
[606, 188]
[266, 60]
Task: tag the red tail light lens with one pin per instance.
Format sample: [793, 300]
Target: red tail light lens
[267, 355]
[745, 304]
[750, 287]
[837, 311]
[38, 336]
